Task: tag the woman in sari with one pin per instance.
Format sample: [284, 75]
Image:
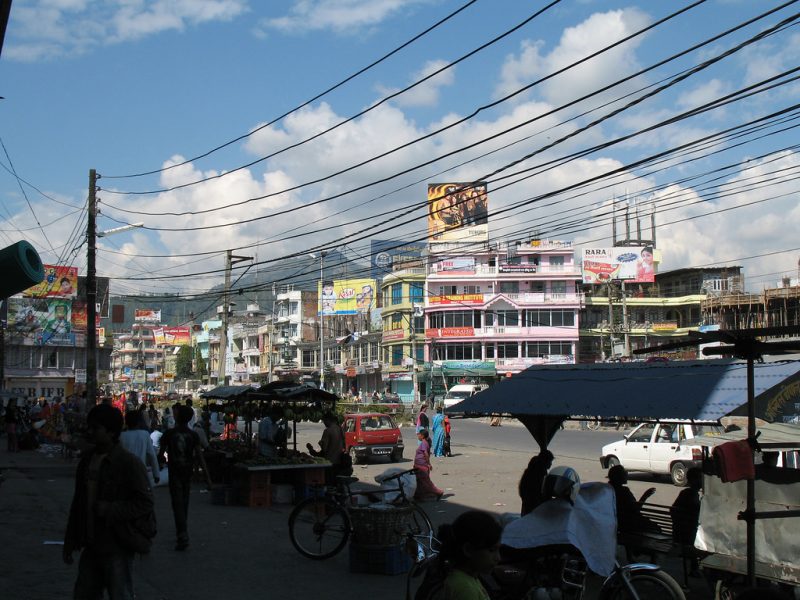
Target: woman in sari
[422, 464]
[422, 419]
[438, 433]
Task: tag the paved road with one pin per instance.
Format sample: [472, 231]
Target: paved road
[239, 552]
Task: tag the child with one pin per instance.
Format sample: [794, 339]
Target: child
[472, 546]
[447, 451]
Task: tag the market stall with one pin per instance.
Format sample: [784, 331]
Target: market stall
[256, 478]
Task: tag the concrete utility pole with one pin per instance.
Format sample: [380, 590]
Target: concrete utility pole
[91, 293]
[625, 327]
[230, 260]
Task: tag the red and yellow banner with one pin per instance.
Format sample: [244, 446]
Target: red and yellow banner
[58, 282]
[446, 332]
[457, 299]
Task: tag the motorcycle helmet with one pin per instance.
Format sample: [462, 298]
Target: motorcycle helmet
[561, 482]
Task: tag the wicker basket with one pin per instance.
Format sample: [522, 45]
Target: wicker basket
[380, 526]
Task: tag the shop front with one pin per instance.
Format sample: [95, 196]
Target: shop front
[447, 373]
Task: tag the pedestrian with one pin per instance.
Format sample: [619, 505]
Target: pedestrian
[182, 446]
[447, 451]
[426, 490]
[167, 420]
[470, 546]
[530, 484]
[331, 447]
[422, 419]
[266, 437]
[136, 440]
[111, 492]
[153, 420]
[629, 510]
[438, 433]
[496, 420]
[685, 514]
[12, 422]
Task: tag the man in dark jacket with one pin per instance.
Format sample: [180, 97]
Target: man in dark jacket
[111, 489]
[183, 447]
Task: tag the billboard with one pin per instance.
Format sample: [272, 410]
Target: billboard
[346, 296]
[172, 336]
[457, 299]
[147, 314]
[80, 316]
[103, 301]
[455, 266]
[627, 263]
[386, 255]
[58, 282]
[44, 320]
[458, 212]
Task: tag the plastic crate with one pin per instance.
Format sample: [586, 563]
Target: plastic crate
[379, 560]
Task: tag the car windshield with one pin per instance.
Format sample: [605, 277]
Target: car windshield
[706, 430]
[458, 395]
[377, 423]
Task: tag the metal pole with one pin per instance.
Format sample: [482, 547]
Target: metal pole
[625, 322]
[91, 293]
[751, 484]
[321, 326]
[223, 336]
[414, 395]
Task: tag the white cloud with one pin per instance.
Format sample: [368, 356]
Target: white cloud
[593, 34]
[427, 93]
[341, 16]
[45, 29]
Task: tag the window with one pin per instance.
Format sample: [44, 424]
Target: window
[558, 287]
[397, 355]
[509, 287]
[420, 356]
[643, 434]
[386, 296]
[309, 358]
[502, 318]
[52, 359]
[448, 290]
[452, 319]
[514, 260]
[537, 287]
[533, 259]
[397, 320]
[489, 351]
[472, 289]
[293, 307]
[557, 261]
[417, 292]
[397, 293]
[419, 324]
[373, 351]
[549, 318]
[460, 351]
[509, 350]
[293, 329]
[546, 349]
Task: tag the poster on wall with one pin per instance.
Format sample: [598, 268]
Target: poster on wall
[346, 297]
[458, 212]
[58, 282]
[41, 320]
[172, 336]
[147, 314]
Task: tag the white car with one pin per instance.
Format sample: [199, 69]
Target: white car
[459, 392]
[661, 448]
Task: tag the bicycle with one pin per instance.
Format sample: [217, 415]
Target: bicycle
[319, 527]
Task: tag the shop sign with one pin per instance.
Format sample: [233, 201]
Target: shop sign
[665, 326]
[457, 299]
[448, 332]
[394, 334]
[506, 268]
[80, 375]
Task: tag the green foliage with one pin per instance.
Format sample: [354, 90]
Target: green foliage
[200, 364]
[183, 363]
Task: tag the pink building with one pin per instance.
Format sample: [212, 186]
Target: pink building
[511, 307]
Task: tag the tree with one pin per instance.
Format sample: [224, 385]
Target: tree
[199, 364]
[183, 363]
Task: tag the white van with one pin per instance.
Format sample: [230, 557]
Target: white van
[458, 392]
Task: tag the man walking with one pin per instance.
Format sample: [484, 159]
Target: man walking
[183, 446]
[111, 490]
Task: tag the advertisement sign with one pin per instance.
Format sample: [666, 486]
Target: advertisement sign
[103, 301]
[461, 265]
[80, 375]
[457, 299]
[386, 255]
[140, 376]
[628, 263]
[172, 336]
[346, 297]
[393, 335]
[458, 212]
[79, 316]
[507, 268]
[46, 321]
[446, 332]
[58, 282]
[147, 314]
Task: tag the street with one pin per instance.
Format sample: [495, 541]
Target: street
[238, 551]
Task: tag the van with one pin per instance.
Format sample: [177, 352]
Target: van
[458, 392]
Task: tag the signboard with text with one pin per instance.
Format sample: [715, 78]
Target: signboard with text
[626, 263]
[388, 255]
[393, 335]
[58, 282]
[347, 296]
[458, 212]
[457, 299]
[147, 314]
[447, 332]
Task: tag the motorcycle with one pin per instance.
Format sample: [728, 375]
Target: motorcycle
[562, 551]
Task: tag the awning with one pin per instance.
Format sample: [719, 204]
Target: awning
[228, 392]
[778, 435]
[701, 390]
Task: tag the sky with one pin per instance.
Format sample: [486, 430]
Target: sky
[214, 124]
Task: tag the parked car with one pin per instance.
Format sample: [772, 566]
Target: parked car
[659, 448]
[459, 392]
[367, 435]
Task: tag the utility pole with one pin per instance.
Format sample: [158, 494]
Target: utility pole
[625, 323]
[610, 321]
[230, 260]
[91, 293]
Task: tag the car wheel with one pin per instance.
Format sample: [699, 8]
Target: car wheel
[354, 457]
[612, 461]
[678, 474]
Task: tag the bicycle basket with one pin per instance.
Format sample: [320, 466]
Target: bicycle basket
[380, 525]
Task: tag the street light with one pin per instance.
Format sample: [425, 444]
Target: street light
[321, 256]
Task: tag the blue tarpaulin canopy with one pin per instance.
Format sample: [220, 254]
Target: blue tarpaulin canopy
[702, 390]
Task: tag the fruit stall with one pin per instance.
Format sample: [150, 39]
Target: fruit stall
[247, 477]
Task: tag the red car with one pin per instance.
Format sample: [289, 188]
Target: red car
[372, 434]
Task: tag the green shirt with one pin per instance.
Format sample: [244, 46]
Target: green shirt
[461, 586]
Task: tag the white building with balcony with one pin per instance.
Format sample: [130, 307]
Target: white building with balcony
[504, 308]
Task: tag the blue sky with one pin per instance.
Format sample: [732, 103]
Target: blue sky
[131, 86]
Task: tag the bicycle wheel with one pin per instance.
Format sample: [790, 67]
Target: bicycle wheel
[319, 528]
[418, 524]
[649, 585]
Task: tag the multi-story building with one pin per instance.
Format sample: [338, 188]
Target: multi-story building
[403, 335]
[134, 352]
[494, 312]
[293, 320]
[245, 353]
[617, 321]
[246, 322]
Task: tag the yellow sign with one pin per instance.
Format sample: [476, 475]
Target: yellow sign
[347, 296]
